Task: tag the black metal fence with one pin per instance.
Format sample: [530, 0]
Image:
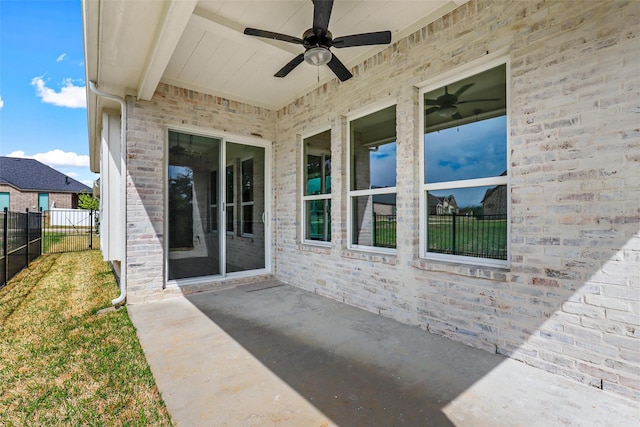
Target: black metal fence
[480, 236]
[69, 230]
[24, 236]
[21, 240]
[483, 236]
[384, 230]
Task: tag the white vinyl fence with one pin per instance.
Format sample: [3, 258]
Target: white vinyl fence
[70, 217]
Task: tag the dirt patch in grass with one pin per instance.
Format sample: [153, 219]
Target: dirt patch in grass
[63, 363]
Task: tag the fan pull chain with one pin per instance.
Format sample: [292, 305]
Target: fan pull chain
[318, 80]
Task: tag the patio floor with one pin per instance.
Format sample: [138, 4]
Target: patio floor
[274, 355]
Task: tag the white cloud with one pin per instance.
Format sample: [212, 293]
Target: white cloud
[61, 57]
[1, 103]
[56, 158]
[70, 95]
[71, 174]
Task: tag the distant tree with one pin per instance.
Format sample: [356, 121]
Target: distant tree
[87, 201]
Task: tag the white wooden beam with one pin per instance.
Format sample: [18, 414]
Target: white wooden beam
[176, 18]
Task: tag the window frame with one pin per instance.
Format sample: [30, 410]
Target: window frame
[326, 197]
[353, 194]
[225, 138]
[448, 78]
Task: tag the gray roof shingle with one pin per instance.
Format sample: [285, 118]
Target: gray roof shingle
[30, 174]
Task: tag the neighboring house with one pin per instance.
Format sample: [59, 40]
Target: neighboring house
[494, 201]
[384, 204]
[442, 205]
[29, 184]
[203, 182]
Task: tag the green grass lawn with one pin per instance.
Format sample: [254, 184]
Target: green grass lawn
[473, 237]
[385, 233]
[64, 363]
[53, 241]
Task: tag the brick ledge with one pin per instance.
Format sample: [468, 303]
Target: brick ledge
[477, 271]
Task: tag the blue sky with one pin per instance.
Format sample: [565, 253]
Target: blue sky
[383, 166]
[475, 150]
[42, 87]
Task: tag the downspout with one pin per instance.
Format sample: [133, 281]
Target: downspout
[123, 172]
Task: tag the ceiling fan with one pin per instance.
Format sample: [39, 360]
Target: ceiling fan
[318, 40]
[446, 104]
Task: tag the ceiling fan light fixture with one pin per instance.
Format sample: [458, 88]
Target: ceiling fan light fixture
[317, 56]
[447, 111]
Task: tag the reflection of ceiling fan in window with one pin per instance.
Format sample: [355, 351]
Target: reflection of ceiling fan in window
[179, 150]
[446, 105]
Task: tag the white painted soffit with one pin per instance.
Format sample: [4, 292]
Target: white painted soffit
[214, 56]
[131, 46]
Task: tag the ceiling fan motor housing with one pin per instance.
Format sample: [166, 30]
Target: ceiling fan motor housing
[309, 39]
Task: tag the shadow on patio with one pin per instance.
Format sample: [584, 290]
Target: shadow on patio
[271, 354]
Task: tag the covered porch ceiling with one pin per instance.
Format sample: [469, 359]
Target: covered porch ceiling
[132, 46]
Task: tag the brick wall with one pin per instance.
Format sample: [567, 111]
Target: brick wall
[569, 302]
[21, 200]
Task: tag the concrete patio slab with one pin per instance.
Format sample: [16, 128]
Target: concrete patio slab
[280, 356]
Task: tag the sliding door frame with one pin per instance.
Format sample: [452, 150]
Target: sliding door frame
[224, 137]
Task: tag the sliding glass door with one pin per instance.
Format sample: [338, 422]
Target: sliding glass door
[194, 238]
[215, 207]
[245, 209]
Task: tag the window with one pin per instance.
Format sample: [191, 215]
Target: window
[4, 200]
[192, 205]
[43, 201]
[316, 195]
[213, 202]
[180, 207]
[372, 181]
[230, 199]
[247, 196]
[465, 193]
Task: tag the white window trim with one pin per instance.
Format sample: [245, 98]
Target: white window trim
[373, 249]
[307, 198]
[452, 76]
[351, 194]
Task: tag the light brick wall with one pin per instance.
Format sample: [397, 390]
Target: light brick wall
[569, 303]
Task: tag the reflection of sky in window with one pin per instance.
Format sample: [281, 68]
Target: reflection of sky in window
[474, 150]
[177, 171]
[383, 166]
